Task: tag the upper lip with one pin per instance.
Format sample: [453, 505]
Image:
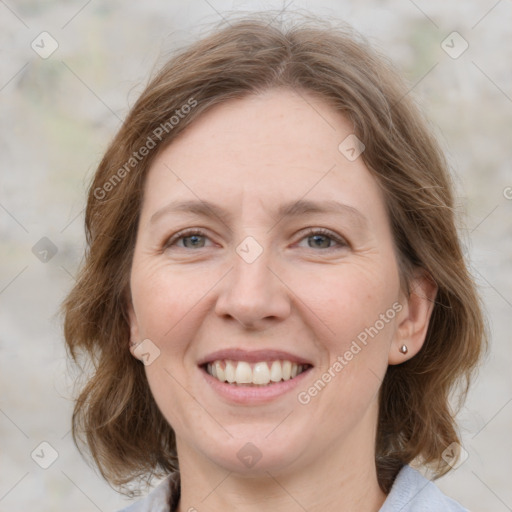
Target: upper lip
[253, 356]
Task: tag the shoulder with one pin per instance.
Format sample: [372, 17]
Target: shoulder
[412, 492]
[158, 500]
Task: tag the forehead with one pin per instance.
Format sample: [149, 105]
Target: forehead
[261, 150]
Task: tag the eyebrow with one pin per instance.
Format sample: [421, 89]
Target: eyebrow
[286, 210]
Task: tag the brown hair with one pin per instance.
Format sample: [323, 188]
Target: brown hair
[115, 413]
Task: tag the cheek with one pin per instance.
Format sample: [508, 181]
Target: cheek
[360, 307]
[167, 304]
[353, 301]
[165, 300]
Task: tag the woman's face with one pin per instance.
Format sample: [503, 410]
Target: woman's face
[264, 251]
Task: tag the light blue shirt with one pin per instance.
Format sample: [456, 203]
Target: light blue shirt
[411, 492]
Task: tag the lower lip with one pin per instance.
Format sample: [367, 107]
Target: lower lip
[242, 394]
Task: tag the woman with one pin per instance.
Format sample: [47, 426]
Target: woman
[274, 297]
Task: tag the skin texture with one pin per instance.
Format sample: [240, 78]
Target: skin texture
[310, 296]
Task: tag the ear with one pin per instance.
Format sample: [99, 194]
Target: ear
[134, 328]
[414, 318]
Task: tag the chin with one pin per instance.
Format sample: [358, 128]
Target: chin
[253, 455]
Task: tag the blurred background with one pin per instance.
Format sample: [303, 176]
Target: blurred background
[70, 70]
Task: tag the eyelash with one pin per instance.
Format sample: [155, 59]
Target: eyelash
[342, 243]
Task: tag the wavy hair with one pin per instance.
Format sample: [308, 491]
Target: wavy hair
[115, 415]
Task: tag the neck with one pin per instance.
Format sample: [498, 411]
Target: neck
[330, 483]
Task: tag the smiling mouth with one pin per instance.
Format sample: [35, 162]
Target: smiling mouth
[261, 373]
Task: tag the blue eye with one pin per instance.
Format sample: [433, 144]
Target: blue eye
[317, 239]
[195, 240]
[323, 239]
[192, 239]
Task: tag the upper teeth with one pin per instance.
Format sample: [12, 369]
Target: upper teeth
[242, 372]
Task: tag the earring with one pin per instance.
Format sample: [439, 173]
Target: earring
[403, 349]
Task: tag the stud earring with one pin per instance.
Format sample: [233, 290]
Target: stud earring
[403, 349]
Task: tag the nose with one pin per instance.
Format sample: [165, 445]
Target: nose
[253, 293]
